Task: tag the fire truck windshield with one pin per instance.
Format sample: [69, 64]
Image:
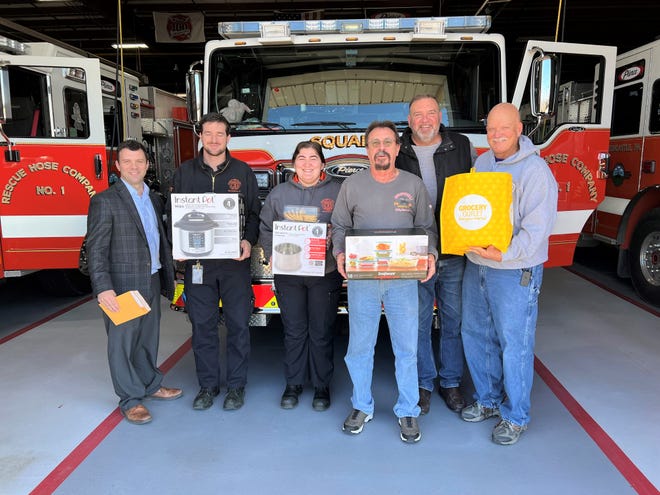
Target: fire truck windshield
[341, 87]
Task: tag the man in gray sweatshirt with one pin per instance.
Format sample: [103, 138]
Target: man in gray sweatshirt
[383, 197]
[501, 289]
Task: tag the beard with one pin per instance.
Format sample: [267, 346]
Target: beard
[425, 135]
[382, 165]
[214, 153]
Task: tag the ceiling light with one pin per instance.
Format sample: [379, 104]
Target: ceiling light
[129, 46]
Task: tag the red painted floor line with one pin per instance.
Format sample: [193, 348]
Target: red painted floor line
[626, 467]
[641, 305]
[87, 446]
[11, 336]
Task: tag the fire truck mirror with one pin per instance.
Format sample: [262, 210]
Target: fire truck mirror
[544, 86]
[194, 94]
[5, 97]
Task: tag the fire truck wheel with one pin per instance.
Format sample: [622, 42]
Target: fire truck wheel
[64, 282]
[645, 258]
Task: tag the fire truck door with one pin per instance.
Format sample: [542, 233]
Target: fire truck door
[631, 96]
[53, 125]
[535, 48]
[573, 135]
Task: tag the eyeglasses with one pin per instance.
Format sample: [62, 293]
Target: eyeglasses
[386, 143]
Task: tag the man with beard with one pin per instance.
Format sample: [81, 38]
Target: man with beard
[208, 280]
[383, 197]
[434, 153]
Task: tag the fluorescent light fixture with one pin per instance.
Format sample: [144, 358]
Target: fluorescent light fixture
[129, 46]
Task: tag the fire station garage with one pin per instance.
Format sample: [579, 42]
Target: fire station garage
[78, 77]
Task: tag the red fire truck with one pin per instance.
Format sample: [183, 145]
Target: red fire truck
[326, 80]
[59, 113]
[629, 216]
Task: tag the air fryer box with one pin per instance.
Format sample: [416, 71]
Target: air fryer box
[386, 253]
[299, 248]
[206, 226]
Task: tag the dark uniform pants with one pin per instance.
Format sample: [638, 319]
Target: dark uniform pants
[230, 281]
[308, 307]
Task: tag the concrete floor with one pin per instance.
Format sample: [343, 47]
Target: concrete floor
[598, 361]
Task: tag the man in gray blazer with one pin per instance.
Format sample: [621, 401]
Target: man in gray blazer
[128, 250]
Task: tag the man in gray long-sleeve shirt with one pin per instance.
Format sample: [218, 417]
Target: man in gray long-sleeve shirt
[383, 197]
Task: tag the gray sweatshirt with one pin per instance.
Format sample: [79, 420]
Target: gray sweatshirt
[292, 195]
[364, 203]
[534, 206]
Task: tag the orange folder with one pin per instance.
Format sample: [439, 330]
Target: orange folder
[131, 305]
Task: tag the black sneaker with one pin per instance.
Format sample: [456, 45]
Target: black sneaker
[290, 396]
[321, 399]
[424, 400]
[235, 399]
[204, 398]
[409, 429]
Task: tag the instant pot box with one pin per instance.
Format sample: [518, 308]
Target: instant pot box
[299, 248]
[206, 226]
[383, 253]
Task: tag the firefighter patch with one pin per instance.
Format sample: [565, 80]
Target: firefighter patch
[403, 202]
[327, 204]
[234, 185]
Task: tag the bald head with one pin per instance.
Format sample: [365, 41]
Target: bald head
[504, 110]
[503, 128]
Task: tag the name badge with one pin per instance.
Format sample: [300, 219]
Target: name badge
[197, 274]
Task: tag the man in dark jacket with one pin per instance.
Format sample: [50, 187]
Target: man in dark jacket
[209, 280]
[128, 250]
[433, 153]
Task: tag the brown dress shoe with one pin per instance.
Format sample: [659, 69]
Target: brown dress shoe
[137, 415]
[453, 398]
[164, 393]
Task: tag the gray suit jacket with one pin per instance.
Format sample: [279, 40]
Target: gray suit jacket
[117, 247]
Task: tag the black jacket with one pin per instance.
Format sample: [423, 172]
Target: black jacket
[234, 176]
[453, 156]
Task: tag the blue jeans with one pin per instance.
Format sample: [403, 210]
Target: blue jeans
[445, 287]
[499, 325]
[399, 298]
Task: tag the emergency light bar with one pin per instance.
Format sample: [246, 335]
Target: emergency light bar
[420, 26]
[15, 47]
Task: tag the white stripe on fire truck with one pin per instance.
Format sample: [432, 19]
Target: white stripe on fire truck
[570, 222]
[27, 226]
[613, 205]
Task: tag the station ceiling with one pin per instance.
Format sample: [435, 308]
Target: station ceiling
[93, 25]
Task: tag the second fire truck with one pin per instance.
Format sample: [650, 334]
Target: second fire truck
[629, 216]
[61, 117]
[59, 113]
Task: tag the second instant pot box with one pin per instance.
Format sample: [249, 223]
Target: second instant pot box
[299, 248]
[206, 226]
[383, 253]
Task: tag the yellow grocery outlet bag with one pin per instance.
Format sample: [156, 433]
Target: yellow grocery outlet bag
[476, 211]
